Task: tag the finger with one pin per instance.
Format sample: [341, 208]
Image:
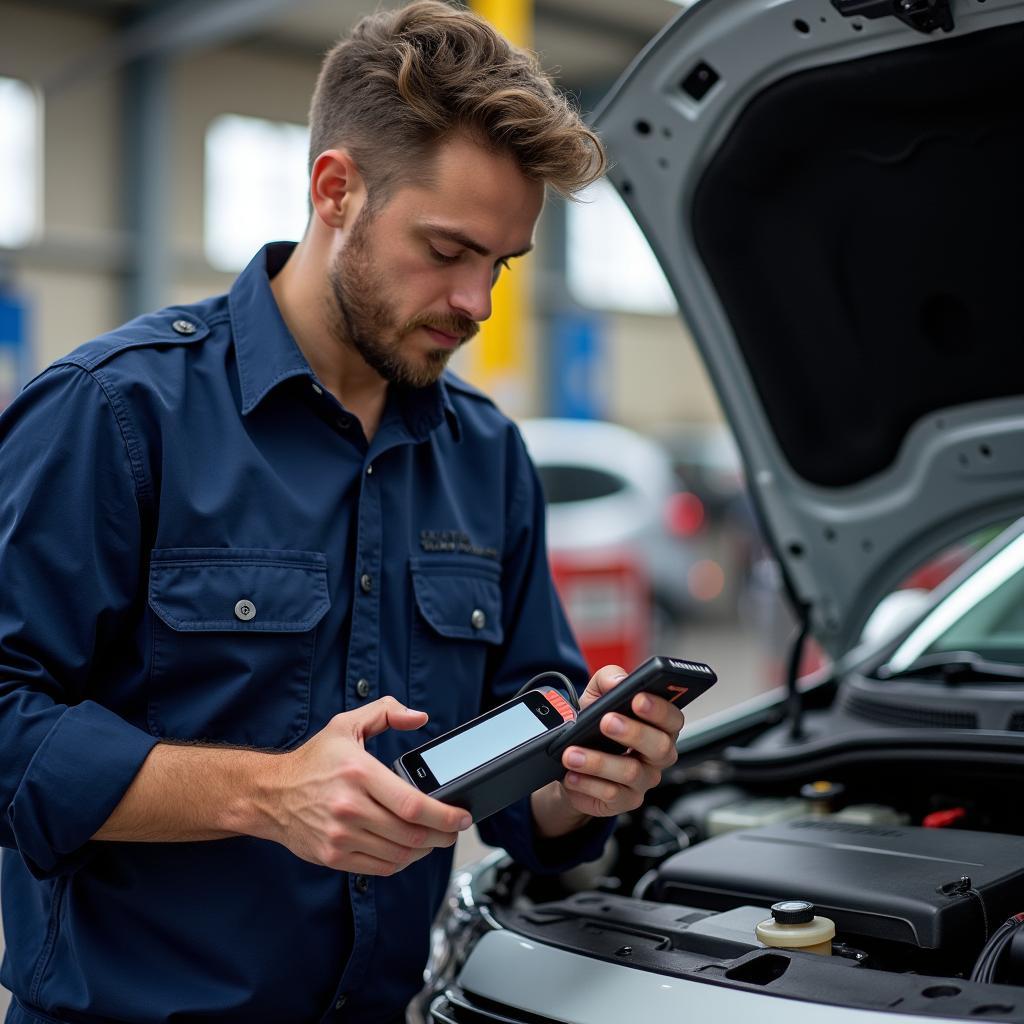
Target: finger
[655, 746]
[603, 680]
[626, 771]
[658, 712]
[365, 864]
[384, 849]
[383, 822]
[409, 804]
[386, 713]
[600, 789]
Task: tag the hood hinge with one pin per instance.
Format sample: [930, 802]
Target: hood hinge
[921, 15]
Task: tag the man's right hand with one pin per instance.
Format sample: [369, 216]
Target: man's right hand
[332, 803]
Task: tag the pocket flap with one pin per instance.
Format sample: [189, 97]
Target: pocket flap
[460, 599]
[251, 590]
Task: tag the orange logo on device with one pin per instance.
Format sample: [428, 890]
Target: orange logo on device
[678, 691]
[560, 704]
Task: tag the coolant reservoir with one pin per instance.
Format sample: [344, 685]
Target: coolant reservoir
[755, 813]
[793, 925]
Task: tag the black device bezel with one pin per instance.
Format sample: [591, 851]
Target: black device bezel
[412, 761]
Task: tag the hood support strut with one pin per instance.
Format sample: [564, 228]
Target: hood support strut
[794, 702]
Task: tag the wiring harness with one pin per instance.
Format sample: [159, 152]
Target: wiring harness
[991, 957]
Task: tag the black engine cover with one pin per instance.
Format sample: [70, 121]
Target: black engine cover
[891, 883]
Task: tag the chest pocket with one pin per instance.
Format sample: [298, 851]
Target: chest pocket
[234, 634]
[456, 624]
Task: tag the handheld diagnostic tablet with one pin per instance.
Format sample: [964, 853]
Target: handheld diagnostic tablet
[516, 748]
[495, 759]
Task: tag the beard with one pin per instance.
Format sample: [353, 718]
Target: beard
[362, 319]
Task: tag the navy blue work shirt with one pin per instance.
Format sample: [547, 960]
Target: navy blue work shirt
[198, 543]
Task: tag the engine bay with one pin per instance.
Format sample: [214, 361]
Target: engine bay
[922, 877]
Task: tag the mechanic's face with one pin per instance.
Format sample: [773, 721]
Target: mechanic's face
[414, 278]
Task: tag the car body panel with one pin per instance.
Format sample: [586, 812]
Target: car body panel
[564, 986]
[959, 466]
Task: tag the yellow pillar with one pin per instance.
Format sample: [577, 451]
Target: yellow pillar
[501, 353]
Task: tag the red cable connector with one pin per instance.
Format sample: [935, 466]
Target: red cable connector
[943, 819]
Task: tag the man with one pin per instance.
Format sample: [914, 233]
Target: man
[248, 546]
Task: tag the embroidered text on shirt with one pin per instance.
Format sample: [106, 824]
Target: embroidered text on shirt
[453, 540]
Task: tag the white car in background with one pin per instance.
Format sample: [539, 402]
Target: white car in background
[613, 492]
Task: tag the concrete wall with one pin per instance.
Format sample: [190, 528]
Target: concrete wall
[70, 298]
[656, 375]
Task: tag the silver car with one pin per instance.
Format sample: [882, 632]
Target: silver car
[612, 490]
[834, 192]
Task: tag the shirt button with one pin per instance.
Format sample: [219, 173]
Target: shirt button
[363, 687]
[245, 610]
[362, 883]
[184, 326]
[369, 470]
[366, 582]
[316, 388]
[340, 1003]
[478, 619]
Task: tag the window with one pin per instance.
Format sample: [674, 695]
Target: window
[20, 163]
[610, 264]
[256, 187]
[562, 484]
[982, 615]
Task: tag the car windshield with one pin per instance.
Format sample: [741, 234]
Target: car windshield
[984, 615]
[563, 483]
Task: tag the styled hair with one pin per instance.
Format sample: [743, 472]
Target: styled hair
[405, 80]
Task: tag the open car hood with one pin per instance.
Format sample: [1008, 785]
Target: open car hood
[837, 202]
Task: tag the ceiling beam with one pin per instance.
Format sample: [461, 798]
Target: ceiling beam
[175, 28]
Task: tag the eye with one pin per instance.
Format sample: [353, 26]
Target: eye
[499, 267]
[440, 257]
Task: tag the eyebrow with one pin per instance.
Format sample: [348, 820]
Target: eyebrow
[466, 242]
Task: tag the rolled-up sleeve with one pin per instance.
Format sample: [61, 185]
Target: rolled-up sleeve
[70, 529]
[537, 639]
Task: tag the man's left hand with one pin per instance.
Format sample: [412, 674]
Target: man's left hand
[599, 784]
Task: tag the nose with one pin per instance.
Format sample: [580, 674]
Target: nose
[471, 296]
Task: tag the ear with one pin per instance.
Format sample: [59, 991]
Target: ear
[336, 188]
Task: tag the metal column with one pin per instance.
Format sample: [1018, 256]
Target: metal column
[146, 153]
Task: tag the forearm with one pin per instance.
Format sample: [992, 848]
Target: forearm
[328, 801]
[190, 793]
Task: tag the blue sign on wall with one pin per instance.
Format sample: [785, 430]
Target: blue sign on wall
[15, 361]
[578, 388]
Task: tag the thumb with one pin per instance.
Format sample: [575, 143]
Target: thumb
[383, 714]
[603, 680]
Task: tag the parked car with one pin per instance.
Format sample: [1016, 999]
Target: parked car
[833, 192]
[626, 538]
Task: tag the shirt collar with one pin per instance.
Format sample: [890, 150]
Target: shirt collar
[267, 354]
[264, 347]
[425, 408]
